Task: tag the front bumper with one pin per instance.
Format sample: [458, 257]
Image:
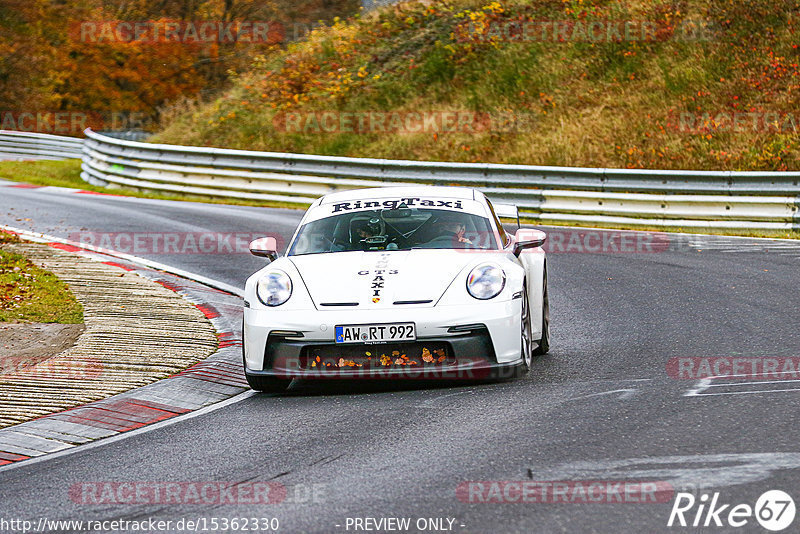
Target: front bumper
[468, 371]
[468, 355]
[286, 345]
[269, 345]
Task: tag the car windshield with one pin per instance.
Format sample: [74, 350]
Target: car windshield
[401, 228]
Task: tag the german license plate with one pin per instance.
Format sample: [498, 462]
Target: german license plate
[375, 333]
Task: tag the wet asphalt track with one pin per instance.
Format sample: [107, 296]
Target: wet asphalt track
[600, 406]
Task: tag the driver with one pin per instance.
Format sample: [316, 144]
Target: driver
[362, 234]
[361, 229]
[372, 228]
[449, 231]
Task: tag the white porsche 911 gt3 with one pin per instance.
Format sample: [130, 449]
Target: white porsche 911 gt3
[397, 282]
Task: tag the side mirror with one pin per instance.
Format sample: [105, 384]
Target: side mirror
[266, 247]
[528, 238]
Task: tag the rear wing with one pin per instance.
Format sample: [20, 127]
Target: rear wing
[507, 211]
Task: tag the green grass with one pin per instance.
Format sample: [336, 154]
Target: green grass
[67, 173]
[31, 294]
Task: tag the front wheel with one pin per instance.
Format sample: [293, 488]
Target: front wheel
[268, 384]
[525, 334]
[264, 384]
[544, 342]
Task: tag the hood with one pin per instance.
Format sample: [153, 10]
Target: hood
[379, 279]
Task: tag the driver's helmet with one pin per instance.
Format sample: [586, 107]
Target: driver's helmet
[374, 226]
[365, 226]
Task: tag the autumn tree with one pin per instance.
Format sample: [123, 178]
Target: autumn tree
[48, 64]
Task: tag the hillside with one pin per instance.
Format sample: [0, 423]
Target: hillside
[706, 84]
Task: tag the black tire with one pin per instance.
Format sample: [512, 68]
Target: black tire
[544, 342]
[268, 384]
[525, 335]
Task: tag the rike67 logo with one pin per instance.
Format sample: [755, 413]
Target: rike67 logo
[774, 510]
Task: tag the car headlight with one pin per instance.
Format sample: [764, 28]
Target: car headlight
[274, 288]
[486, 281]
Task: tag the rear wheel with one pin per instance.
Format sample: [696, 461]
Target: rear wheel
[544, 342]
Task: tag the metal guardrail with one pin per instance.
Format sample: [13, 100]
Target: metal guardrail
[643, 198]
[29, 145]
[128, 135]
[558, 195]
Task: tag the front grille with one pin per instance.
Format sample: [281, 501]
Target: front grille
[418, 354]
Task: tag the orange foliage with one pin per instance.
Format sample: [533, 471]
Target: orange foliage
[47, 64]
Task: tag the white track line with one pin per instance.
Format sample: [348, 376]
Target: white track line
[746, 392]
[754, 383]
[113, 439]
[44, 238]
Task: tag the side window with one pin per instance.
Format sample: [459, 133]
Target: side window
[504, 239]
